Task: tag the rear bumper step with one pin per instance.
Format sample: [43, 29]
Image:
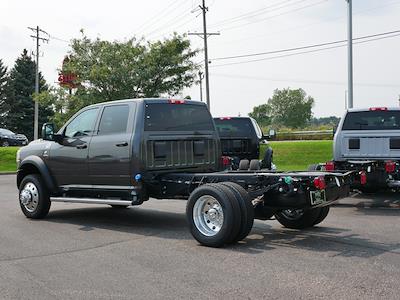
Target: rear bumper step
[90, 201]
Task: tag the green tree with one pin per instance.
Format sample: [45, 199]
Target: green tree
[262, 114]
[291, 108]
[19, 101]
[3, 83]
[107, 71]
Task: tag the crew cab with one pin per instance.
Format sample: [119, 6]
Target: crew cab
[368, 140]
[122, 153]
[240, 142]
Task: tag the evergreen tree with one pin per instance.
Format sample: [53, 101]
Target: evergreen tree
[3, 82]
[19, 100]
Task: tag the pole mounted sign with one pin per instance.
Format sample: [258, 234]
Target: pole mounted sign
[67, 79]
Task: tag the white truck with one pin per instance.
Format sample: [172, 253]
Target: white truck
[368, 141]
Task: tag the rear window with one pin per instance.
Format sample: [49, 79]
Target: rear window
[372, 120]
[234, 127]
[177, 117]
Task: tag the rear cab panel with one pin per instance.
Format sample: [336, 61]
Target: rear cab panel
[178, 135]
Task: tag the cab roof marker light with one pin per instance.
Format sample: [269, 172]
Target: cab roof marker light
[174, 101]
[378, 108]
[225, 118]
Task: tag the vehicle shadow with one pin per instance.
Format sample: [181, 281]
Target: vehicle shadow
[335, 241]
[263, 237]
[139, 221]
[378, 199]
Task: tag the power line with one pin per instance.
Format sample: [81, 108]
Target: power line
[359, 12]
[305, 47]
[304, 52]
[275, 16]
[310, 81]
[252, 13]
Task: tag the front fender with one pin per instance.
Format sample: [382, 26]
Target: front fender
[34, 164]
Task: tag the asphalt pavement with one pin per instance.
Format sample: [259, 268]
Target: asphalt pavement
[146, 252]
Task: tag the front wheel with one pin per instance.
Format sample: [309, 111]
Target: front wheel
[34, 198]
[299, 218]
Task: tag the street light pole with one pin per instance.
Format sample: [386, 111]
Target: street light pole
[350, 53]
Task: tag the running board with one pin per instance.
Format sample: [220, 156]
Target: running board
[90, 201]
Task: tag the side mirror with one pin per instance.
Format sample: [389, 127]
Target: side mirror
[48, 131]
[49, 135]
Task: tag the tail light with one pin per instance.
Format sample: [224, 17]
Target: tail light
[378, 109]
[226, 161]
[390, 166]
[330, 166]
[173, 101]
[319, 183]
[363, 177]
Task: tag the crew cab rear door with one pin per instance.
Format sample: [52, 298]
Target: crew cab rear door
[110, 147]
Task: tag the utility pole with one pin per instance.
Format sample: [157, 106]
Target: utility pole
[201, 77]
[350, 52]
[205, 37]
[38, 38]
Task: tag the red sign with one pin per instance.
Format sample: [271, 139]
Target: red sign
[67, 79]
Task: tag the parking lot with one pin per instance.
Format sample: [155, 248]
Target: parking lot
[146, 252]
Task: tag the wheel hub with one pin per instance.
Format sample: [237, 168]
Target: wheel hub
[25, 197]
[208, 215]
[29, 197]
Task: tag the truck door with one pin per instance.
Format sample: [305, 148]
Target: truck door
[68, 161]
[110, 148]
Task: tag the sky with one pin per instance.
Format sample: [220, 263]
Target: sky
[245, 27]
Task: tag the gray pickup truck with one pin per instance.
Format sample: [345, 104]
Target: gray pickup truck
[368, 141]
[122, 153]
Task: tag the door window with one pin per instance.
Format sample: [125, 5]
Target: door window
[114, 119]
[83, 124]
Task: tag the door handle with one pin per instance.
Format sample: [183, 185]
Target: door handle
[83, 146]
[123, 144]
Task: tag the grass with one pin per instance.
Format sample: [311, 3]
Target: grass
[7, 159]
[298, 155]
[288, 155]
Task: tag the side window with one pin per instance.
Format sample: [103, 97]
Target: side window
[257, 128]
[83, 124]
[114, 119]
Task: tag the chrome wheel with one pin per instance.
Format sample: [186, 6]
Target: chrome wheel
[292, 214]
[208, 215]
[29, 197]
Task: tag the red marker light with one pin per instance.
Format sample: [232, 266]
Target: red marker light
[173, 101]
[330, 166]
[390, 166]
[225, 118]
[226, 161]
[319, 183]
[378, 109]
[363, 177]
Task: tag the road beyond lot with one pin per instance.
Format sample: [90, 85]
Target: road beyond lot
[146, 252]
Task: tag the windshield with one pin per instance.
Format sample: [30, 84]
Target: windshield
[6, 132]
[177, 117]
[372, 120]
[234, 127]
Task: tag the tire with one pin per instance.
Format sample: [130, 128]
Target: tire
[213, 231]
[5, 144]
[244, 165]
[255, 165]
[324, 213]
[266, 162]
[298, 219]
[34, 198]
[246, 209]
[119, 206]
